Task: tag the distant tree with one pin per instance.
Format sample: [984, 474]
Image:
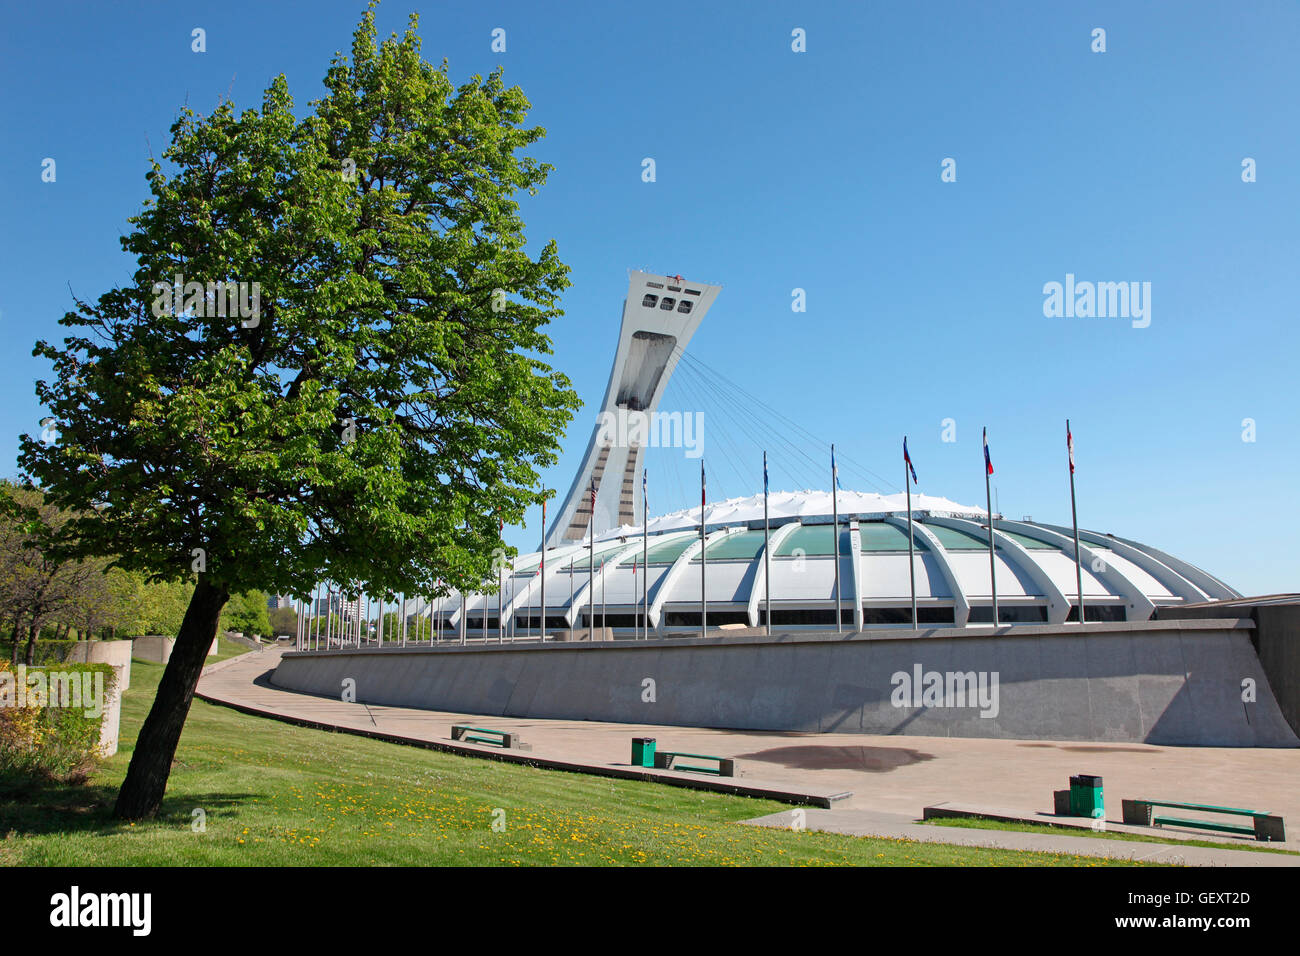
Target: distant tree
[40, 581]
[384, 402]
[284, 620]
[246, 614]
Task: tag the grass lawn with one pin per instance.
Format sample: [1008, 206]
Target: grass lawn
[274, 794]
[979, 823]
[225, 649]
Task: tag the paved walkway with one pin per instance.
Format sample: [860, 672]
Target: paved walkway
[891, 779]
[902, 826]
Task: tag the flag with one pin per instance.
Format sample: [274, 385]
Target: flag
[908, 459]
[634, 567]
[835, 472]
[764, 472]
[703, 495]
[593, 495]
[1069, 444]
[988, 462]
[644, 500]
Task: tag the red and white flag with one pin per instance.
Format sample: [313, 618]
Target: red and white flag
[1069, 444]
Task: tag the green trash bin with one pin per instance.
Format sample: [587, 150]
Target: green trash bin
[1086, 798]
[643, 751]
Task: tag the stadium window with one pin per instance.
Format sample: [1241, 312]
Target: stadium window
[650, 301]
[684, 307]
[1098, 612]
[667, 303]
[1009, 614]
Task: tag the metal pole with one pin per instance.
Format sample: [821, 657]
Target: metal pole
[835, 533]
[1074, 516]
[501, 634]
[542, 630]
[911, 554]
[767, 573]
[704, 594]
[645, 546]
[993, 571]
[591, 567]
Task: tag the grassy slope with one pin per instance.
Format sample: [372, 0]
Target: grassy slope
[274, 794]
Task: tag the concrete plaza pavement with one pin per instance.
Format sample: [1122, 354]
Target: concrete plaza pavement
[891, 778]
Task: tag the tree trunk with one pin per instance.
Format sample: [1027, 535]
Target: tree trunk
[151, 762]
[32, 630]
[13, 653]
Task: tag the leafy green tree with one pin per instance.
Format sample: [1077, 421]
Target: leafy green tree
[246, 614]
[385, 401]
[39, 583]
[284, 620]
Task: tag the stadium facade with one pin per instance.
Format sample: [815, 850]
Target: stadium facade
[659, 592]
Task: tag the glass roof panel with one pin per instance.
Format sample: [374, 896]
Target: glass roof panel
[815, 541]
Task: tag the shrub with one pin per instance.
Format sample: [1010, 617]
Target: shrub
[45, 741]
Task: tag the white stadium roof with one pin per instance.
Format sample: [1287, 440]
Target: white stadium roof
[1122, 579]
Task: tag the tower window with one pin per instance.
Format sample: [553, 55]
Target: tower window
[667, 303]
[684, 306]
[649, 301]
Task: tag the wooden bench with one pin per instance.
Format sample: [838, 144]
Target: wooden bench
[499, 738]
[665, 759]
[1264, 826]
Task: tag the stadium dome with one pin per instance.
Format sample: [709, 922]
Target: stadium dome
[1122, 579]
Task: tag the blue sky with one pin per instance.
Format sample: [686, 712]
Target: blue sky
[820, 170]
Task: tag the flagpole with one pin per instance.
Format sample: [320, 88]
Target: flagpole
[835, 533]
[767, 575]
[645, 546]
[541, 631]
[911, 553]
[988, 506]
[704, 595]
[1074, 515]
[501, 579]
[591, 566]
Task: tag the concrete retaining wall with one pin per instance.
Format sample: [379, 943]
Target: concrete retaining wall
[159, 649]
[117, 653]
[1276, 639]
[1157, 682]
[110, 723]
